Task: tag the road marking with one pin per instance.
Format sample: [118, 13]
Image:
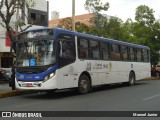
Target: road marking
[152, 97]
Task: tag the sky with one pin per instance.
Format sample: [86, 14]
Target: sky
[120, 8]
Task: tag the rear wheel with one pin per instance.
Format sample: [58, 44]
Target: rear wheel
[132, 79]
[84, 85]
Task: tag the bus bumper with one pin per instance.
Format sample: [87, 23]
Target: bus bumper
[37, 85]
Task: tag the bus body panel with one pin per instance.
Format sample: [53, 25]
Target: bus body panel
[47, 85]
[100, 71]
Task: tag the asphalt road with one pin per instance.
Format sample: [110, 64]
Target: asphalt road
[144, 96]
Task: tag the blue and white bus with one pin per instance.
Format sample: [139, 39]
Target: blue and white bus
[54, 59]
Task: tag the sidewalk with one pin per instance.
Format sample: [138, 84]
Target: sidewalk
[6, 91]
[4, 87]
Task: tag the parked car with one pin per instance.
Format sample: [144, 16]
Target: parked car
[4, 75]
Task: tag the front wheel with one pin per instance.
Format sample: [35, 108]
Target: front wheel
[132, 79]
[84, 84]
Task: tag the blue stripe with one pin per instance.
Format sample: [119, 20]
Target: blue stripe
[59, 31]
[36, 77]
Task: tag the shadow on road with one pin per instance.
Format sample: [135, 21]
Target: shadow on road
[60, 94]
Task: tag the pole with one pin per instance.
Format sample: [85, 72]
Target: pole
[17, 18]
[73, 15]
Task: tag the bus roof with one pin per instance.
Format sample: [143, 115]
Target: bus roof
[59, 30]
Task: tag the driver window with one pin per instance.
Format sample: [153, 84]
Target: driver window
[67, 52]
[68, 49]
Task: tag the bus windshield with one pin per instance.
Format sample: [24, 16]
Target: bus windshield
[35, 52]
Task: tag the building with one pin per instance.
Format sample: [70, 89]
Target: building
[85, 19]
[38, 13]
[54, 15]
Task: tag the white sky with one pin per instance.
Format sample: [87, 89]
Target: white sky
[121, 8]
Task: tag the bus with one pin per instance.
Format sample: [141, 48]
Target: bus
[52, 59]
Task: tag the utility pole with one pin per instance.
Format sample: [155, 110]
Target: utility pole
[73, 15]
[17, 18]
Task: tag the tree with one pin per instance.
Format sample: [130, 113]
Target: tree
[146, 30]
[95, 6]
[11, 8]
[114, 29]
[126, 29]
[67, 24]
[144, 15]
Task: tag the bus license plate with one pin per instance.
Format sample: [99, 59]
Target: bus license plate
[28, 85]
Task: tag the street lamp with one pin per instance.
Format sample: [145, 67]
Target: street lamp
[73, 15]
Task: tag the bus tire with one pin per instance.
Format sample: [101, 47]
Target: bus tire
[84, 85]
[132, 79]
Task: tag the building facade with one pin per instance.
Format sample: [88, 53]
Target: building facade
[85, 19]
[38, 15]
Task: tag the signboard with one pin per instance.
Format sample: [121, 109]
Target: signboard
[35, 33]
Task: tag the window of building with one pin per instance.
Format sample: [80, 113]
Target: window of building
[33, 17]
[38, 17]
[6, 62]
[43, 18]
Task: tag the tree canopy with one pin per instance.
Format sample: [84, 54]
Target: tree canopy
[9, 8]
[145, 30]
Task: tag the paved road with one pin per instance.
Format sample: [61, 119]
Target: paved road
[144, 96]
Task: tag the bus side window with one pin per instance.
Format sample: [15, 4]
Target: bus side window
[115, 52]
[124, 51]
[132, 54]
[145, 55]
[104, 48]
[68, 49]
[94, 49]
[83, 48]
[139, 55]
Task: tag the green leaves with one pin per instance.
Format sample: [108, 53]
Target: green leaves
[144, 15]
[144, 31]
[95, 6]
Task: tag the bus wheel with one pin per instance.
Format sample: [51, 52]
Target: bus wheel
[132, 79]
[84, 84]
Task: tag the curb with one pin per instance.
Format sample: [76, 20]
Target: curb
[152, 78]
[15, 93]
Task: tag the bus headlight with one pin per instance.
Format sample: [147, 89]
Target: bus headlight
[49, 76]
